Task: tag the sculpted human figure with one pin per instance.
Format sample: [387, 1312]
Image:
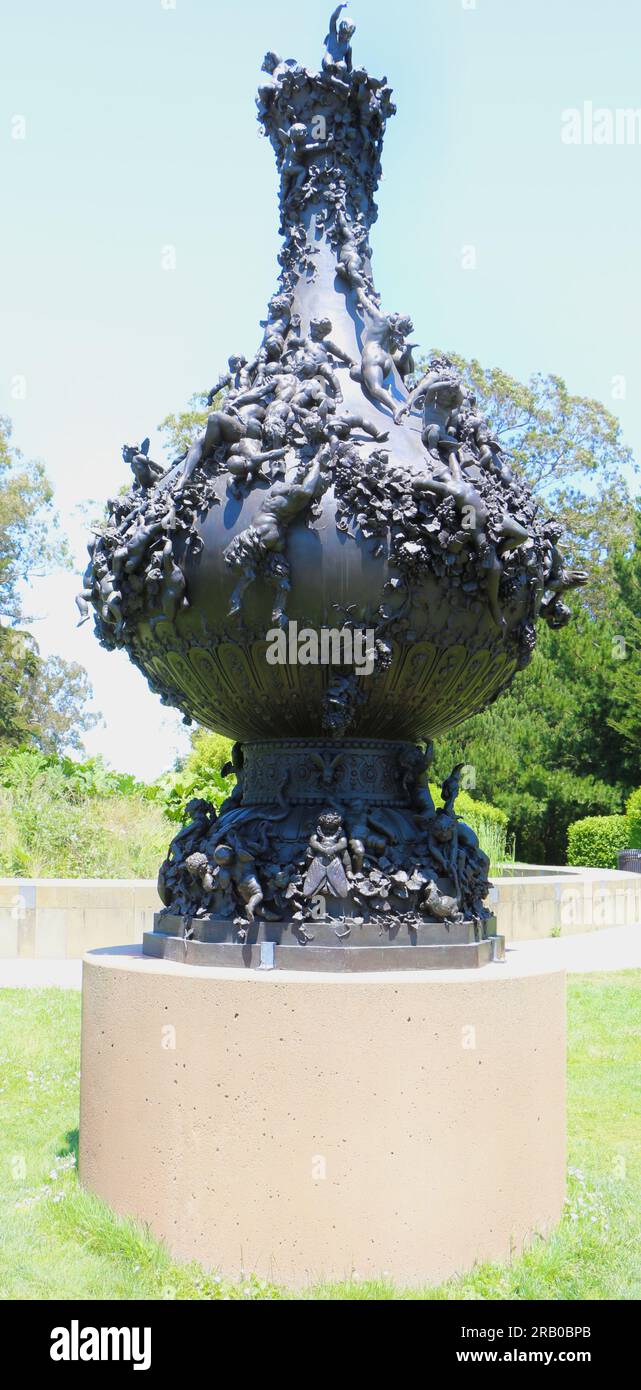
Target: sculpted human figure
[443, 844]
[110, 600]
[223, 427]
[451, 788]
[146, 472]
[235, 867]
[200, 884]
[319, 331]
[200, 816]
[557, 580]
[283, 502]
[173, 591]
[276, 327]
[137, 542]
[235, 379]
[350, 260]
[415, 763]
[383, 337]
[298, 151]
[474, 429]
[312, 360]
[340, 427]
[338, 42]
[278, 70]
[328, 858]
[245, 459]
[441, 394]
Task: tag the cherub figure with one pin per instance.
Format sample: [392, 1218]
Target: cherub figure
[235, 867]
[474, 429]
[235, 379]
[199, 817]
[340, 427]
[146, 472]
[276, 326]
[285, 500]
[298, 148]
[223, 427]
[415, 764]
[201, 883]
[246, 458]
[319, 331]
[350, 260]
[443, 845]
[311, 360]
[173, 592]
[338, 42]
[451, 788]
[441, 394]
[557, 579]
[383, 340]
[277, 69]
[133, 551]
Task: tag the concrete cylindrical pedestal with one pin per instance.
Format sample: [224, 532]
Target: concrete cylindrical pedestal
[311, 1125]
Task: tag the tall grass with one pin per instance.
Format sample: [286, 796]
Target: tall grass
[52, 837]
[496, 842]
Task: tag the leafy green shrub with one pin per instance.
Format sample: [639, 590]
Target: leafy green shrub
[199, 775]
[593, 842]
[633, 812]
[21, 768]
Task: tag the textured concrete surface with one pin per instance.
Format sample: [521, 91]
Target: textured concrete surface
[311, 1125]
[42, 919]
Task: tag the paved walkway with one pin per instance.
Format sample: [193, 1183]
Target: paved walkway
[614, 948]
[39, 974]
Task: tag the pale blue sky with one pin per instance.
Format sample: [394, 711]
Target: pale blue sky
[141, 133]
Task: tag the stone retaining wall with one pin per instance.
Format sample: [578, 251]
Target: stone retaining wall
[51, 918]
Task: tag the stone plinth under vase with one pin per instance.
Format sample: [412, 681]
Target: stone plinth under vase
[306, 1126]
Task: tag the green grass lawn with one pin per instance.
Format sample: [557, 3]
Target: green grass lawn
[57, 1241]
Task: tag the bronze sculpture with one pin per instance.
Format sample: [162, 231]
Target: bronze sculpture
[316, 494]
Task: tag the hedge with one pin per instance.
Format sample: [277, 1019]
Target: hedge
[594, 841]
[633, 812]
[471, 810]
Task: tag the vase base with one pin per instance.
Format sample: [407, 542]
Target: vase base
[344, 946]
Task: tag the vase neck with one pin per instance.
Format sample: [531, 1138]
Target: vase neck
[326, 130]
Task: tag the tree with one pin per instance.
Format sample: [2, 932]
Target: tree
[30, 538]
[55, 701]
[544, 752]
[625, 716]
[570, 450]
[181, 430]
[41, 702]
